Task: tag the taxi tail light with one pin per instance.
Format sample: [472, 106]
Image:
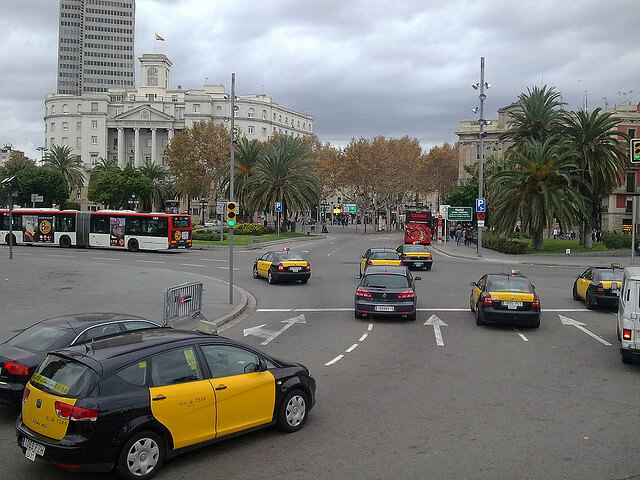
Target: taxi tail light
[487, 300]
[626, 334]
[308, 267]
[599, 288]
[25, 394]
[76, 414]
[280, 268]
[361, 292]
[536, 302]
[369, 262]
[16, 368]
[406, 294]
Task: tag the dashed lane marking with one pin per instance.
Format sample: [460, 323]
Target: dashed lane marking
[334, 360]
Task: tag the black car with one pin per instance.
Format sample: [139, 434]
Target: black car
[415, 256]
[132, 400]
[285, 265]
[22, 353]
[386, 290]
[599, 286]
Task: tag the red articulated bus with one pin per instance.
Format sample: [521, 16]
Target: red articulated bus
[418, 227]
[123, 229]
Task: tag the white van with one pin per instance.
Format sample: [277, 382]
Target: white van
[629, 315]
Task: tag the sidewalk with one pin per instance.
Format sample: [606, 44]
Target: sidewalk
[579, 259]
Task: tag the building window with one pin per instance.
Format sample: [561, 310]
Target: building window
[250, 129]
[65, 109]
[115, 143]
[236, 113]
[79, 108]
[79, 142]
[53, 109]
[274, 130]
[132, 142]
[264, 130]
[274, 117]
[251, 113]
[219, 110]
[117, 112]
[264, 114]
[78, 195]
[632, 132]
[180, 113]
[94, 106]
[53, 142]
[152, 76]
[94, 159]
[132, 98]
[196, 108]
[65, 126]
[148, 142]
[621, 201]
[151, 97]
[65, 141]
[94, 124]
[94, 140]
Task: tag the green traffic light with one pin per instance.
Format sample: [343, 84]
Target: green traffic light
[231, 223]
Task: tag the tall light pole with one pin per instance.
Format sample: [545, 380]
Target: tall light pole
[481, 86]
[231, 172]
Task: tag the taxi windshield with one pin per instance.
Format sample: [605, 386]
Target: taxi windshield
[384, 256]
[415, 249]
[288, 256]
[509, 284]
[381, 280]
[64, 377]
[608, 275]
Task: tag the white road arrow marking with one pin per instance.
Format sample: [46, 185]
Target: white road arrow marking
[436, 323]
[269, 335]
[579, 326]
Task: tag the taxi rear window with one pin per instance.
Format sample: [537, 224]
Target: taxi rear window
[384, 256]
[42, 338]
[607, 275]
[64, 377]
[509, 284]
[283, 257]
[382, 280]
[414, 249]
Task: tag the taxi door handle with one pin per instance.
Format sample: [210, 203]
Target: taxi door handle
[159, 397]
[221, 387]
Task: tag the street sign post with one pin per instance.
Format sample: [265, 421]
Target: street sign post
[460, 214]
[481, 205]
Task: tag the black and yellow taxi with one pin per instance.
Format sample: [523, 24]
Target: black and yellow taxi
[505, 298]
[379, 256]
[133, 400]
[415, 256]
[282, 266]
[599, 286]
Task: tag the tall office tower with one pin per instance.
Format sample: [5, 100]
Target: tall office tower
[95, 45]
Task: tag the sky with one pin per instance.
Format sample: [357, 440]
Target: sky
[361, 68]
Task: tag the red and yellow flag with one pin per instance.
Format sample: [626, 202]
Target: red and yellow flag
[158, 37]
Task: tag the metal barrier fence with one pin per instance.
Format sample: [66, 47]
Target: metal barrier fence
[182, 301]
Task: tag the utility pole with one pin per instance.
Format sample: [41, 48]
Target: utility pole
[231, 172]
[482, 97]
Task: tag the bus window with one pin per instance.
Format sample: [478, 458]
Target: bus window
[65, 223]
[154, 226]
[99, 224]
[132, 226]
[181, 222]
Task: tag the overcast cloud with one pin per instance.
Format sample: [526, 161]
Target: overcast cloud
[361, 68]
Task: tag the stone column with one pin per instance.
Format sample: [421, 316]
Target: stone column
[136, 148]
[171, 133]
[153, 146]
[122, 148]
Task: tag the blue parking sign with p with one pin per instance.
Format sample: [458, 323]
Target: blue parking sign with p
[278, 206]
[481, 205]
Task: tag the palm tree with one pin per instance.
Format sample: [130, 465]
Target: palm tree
[539, 117]
[600, 156]
[284, 174]
[61, 158]
[539, 182]
[248, 155]
[162, 186]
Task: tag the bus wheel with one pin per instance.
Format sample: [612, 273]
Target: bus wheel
[133, 245]
[7, 239]
[65, 242]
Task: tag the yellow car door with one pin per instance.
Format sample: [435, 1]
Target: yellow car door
[363, 261]
[181, 398]
[583, 283]
[265, 263]
[245, 396]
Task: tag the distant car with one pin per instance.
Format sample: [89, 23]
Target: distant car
[22, 353]
[599, 286]
[505, 298]
[379, 256]
[415, 256]
[133, 400]
[387, 290]
[282, 266]
[212, 223]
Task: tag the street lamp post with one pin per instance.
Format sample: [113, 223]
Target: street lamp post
[203, 204]
[234, 108]
[10, 184]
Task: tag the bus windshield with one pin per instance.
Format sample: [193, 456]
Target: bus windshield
[181, 222]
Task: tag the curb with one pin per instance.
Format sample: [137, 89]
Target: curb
[257, 246]
[210, 326]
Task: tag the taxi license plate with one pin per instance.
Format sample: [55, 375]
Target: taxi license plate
[33, 449]
[384, 308]
[512, 305]
[418, 264]
[295, 269]
[185, 235]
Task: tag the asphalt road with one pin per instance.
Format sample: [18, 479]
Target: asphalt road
[491, 402]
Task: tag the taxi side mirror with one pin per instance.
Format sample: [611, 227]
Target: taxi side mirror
[417, 279]
[473, 284]
[357, 277]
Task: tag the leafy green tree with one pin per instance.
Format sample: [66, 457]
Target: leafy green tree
[539, 182]
[463, 196]
[601, 157]
[285, 174]
[103, 165]
[161, 186]
[44, 181]
[14, 164]
[61, 158]
[114, 188]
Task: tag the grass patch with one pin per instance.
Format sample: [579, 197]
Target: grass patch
[551, 245]
[241, 240]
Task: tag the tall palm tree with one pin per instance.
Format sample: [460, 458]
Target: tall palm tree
[61, 158]
[248, 155]
[539, 182]
[600, 156]
[284, 174]
[539, 117]
[161, 186]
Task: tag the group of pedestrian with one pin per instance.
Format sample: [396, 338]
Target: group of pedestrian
[463, 235]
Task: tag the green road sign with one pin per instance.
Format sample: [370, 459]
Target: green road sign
[459, 214]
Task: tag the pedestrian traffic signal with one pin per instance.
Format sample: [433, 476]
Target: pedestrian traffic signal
[231, 214]
[635, 150]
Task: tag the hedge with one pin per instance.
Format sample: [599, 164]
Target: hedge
[616, 239]
[207, 235]
[503, 245]
[251, 229]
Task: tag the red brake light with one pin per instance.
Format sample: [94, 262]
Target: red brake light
[536, 302]
[369, 262]
[406, 294]
[486, 300]
[626, 334]
[361, 292]
[25, 394]
[76, 414]
[16, 368]
[599, 288]
[308, 267]
[280, 268]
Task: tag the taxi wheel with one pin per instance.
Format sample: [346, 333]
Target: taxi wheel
[304, 280]
[358, 315]
[293, 411]
[536, 324]
[141, 456]
[575, 293]
[255, 272]
[471, 304]
[591, 305]
[270, 278]
[412, 317]
[479, 320]
[427, 268]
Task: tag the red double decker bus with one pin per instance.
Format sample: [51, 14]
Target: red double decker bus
[418, 227]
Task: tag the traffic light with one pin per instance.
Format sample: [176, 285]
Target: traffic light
[635, 150]
[231, 214]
